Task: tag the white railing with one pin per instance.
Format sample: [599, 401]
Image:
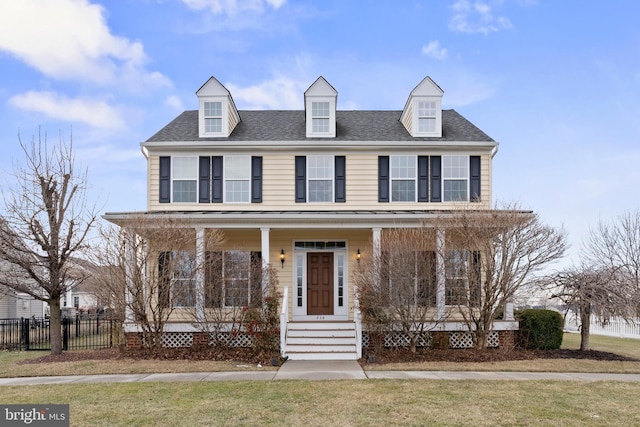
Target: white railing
[615, 327]
[357, 317]
[284, 317]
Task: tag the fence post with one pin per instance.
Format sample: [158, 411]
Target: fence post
[65, 333]
[25, 332]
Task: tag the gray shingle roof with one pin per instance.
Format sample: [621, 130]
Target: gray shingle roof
[289, 125]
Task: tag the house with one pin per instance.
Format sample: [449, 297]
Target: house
[312, 192]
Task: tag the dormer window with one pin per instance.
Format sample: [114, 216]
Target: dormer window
[427, 116]
[320, 117]
[213, 117]
[320, 109]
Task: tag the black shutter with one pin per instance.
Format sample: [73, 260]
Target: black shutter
[423, 178]
[340, 179]
[213, 279]
[204, 180]
[301, 179]
[436, 177]
[256, 179]
[217, 179]
[164, 279]
[256, 278]
[165, 179]
[383, 178]
[474, 169]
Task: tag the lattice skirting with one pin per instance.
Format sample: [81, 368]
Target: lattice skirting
[457, 339]
[185, 339]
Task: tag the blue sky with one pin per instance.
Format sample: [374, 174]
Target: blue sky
[556, 83]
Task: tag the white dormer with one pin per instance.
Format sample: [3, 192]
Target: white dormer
[320, 109]
[422, 114]
[217, 113]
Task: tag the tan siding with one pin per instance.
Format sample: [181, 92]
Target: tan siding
[153, 182]
[408, 118]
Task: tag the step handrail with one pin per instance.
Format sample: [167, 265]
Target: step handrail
[284, 317]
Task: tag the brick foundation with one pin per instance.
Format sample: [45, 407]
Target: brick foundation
[440, 340]
[507, 339]
[133, 340]
[200, 340]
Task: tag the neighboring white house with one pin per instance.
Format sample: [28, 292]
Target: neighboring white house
[314, 189]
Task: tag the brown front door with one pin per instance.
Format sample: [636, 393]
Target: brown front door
[319, 283]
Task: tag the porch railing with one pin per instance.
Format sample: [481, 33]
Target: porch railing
[284, 317]
[357, 317]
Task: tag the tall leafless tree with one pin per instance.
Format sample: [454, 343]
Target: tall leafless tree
[498, 253]
[47, 220]
[149, 270]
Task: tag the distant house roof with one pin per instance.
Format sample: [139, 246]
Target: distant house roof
[289, 125]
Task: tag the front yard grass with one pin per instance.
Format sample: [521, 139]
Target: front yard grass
[339, 403]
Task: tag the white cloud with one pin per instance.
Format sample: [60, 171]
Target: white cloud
[434, 50]
[70, 40]
[93, 112]
[174, 102]
[476, 17]
[279, 93]
[233, 7]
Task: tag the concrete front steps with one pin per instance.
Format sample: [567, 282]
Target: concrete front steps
[321, 341]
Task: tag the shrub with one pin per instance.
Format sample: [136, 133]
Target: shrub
[541, 329]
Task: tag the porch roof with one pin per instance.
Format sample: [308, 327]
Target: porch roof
[330, 219]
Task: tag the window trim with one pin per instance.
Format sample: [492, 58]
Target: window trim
[443, 172]
[194, 178]
[205, 117]
[247, 179]
[392, 179]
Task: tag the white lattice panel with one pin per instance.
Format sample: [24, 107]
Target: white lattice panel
[399, 339]
[232, 340]
[460, 340]
[177, 339]
[493, 340]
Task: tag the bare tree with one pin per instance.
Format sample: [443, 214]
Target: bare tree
[592, 292]
[397, 288]
[46, 221]
[491, 255]
[150, 270]
[615, 245]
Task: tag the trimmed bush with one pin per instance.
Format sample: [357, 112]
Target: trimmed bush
[541, 329]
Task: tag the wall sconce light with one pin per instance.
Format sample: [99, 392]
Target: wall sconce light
[282, 257]
[358, 255]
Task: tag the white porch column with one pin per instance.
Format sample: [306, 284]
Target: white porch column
[265, 247]
[69, 297]
[440, 273]
[200, 266]
[129, 272]
[377, 253]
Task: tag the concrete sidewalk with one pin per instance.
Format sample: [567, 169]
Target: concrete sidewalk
[319, 370]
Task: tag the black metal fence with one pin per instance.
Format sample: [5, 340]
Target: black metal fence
[82, 332]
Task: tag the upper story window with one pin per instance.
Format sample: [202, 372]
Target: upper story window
[403, 178]
[455, 177]
[237, 179]
[427, 116]
[184, 179]
[320, 176]
[213, 117]
[320, 117]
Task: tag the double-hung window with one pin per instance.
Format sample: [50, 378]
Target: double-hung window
[427, 116]
[213, 117]
[184, 179]
[176, 279]
[236, 278]
[456, 279]
[403, 178]
[237, 179]
[320, 117]
[455, 176]
[320, 176]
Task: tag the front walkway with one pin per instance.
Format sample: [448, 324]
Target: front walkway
[319, 370]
